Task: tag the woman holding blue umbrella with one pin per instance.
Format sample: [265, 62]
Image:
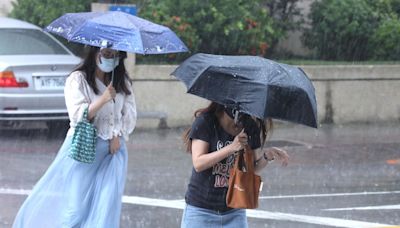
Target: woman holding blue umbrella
[77, 194]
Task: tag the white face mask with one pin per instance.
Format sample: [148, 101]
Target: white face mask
[107, 65]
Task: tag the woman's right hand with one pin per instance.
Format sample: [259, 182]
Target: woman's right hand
[240, 141]
[109, 93]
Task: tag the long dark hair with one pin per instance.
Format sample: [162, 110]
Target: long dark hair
[266, 126]
[88, 66]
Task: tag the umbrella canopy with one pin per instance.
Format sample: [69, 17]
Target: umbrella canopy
[117, 30]
[253, 85]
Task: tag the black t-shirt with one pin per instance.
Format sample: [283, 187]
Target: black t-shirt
[207, 189]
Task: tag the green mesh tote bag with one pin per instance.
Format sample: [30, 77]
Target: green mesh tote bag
[83, 147]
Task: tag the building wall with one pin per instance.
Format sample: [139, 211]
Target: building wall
[345, 94]
[293, 42]
[5, 7]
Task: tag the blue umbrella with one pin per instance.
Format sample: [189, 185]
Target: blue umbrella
[117, 30]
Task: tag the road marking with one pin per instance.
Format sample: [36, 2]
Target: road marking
[393, 161]
[330, 194]
[14, 191]
[260, 214]
[326, 221]
[382, 207]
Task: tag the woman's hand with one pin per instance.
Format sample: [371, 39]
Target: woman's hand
[275, 153]
[114, 145]
[240, 141]
[109, 93]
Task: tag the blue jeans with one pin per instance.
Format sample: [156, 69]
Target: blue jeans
[196, 217]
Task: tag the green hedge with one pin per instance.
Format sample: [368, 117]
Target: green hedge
[385, 42]
[354, 30]
[232, 27]
[42, 12]
[236, 27]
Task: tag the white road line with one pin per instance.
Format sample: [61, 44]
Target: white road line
[334, 222]
[382, 207]
[177, 204]
[314, 219]
[14, 191]
[26, 192]
[154, 202]
[330, 194]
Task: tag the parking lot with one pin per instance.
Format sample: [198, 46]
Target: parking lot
[338, 176]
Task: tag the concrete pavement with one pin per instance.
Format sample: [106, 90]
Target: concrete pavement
[338, 176]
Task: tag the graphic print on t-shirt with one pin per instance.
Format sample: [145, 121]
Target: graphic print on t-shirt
[221, 169]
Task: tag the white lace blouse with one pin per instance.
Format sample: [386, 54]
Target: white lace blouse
[113, 119]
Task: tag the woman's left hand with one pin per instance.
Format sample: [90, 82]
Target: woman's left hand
[114, 145]
[275, 153]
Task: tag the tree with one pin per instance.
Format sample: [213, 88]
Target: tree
[224, 26]
[340, 30]
[385, 41]
[42, 12]
[354, 29]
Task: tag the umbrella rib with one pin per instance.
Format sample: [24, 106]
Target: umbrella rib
[193, 81]
[76, 30]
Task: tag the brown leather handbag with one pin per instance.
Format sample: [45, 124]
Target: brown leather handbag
[244, 184]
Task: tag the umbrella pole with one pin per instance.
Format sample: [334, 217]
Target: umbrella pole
[236, 117]
[112, 74]
[112, 78]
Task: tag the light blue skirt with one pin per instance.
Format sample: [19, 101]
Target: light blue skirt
[73, 194]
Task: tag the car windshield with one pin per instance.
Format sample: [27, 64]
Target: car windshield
[28, 42]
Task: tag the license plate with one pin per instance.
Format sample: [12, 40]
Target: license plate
[50, 83]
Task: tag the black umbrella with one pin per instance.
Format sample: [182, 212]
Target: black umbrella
[253, 85]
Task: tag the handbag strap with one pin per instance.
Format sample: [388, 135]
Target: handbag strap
[249, 158]
[85, 85]
[239, 161]
[244, 161]
[85, 115]
[87, 96]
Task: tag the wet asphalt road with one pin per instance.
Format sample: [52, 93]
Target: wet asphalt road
[338, 176]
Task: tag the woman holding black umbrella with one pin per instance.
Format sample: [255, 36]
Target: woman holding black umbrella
[213, 139]
[76, 194]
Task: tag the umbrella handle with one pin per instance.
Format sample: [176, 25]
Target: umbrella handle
[112, 78]
[236, 119]
[112, 73]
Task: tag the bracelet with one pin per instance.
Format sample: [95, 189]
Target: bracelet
[266, 158]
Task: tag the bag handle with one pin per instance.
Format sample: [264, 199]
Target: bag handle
[240, 163]
[249, 158]
[85, 115]
[244, 160]
[85, 85]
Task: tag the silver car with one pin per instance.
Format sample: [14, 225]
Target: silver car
[33, 68]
